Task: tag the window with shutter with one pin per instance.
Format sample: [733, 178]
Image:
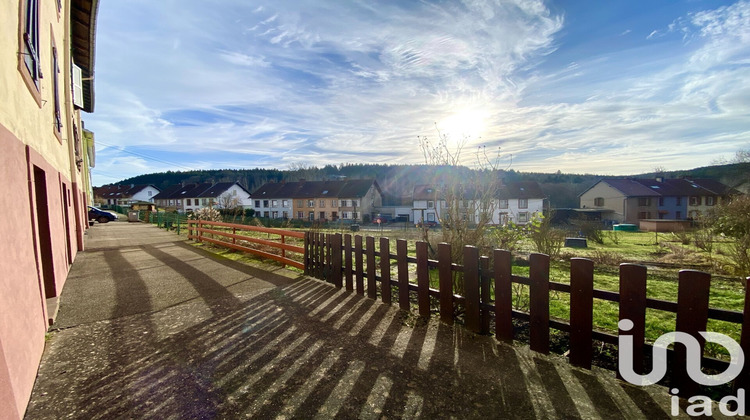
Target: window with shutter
[77, 76]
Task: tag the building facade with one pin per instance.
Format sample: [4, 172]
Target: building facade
[187, 198]
[46, 80]
[318, 201]
[634, 199]
[124, 195]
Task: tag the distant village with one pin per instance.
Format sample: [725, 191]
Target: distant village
[668, 203]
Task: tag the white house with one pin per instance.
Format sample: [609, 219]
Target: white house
[124, 195]
[428, 204]
[517, 202]
[191, 197]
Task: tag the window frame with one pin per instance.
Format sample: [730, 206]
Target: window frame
[29, 58]
[57, 108]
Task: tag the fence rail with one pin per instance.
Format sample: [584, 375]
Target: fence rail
[212, 232]
[350, 262]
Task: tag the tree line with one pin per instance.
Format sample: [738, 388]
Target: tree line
[398, 181]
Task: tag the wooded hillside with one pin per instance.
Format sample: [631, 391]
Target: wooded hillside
[399, 180]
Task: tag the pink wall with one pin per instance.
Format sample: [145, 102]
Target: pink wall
[23, 318]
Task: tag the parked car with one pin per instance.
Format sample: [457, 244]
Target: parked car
[100, 215]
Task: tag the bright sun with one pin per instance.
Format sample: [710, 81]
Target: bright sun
[464, 124]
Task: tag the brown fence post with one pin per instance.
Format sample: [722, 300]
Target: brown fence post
[283, 251]
[385, 270]
[403, 274]
[539, 303]
[423, 280]
[484, 292]
[306, 256]
[503, 296]
[328, 266]
[372, 286]
[743, 380]
[322, 244]
[348, 262]
[633, 308]
[581, 311]
[692, 316]
[445, 271]
[359, 269]
[314, 254]
[471, 287]
[319, 256]
[336, 273]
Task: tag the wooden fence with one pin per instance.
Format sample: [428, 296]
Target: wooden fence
[350, 262]
[229, 237]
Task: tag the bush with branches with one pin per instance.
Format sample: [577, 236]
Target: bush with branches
[546, 239]
[464, 205]
[733, 219]
[206, 213]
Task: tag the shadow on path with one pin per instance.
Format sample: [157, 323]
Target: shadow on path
[192, 335]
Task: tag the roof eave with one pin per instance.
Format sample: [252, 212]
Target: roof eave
[83, 35]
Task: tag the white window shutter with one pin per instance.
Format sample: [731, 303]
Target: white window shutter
[77, 86]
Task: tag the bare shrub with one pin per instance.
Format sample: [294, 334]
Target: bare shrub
[206, 213]
[733, 219]
[546, 239]
[614, 236]
[600, 257]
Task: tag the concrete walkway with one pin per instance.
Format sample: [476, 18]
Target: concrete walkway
[151, 326]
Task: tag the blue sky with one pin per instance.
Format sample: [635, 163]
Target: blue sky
[615, 87]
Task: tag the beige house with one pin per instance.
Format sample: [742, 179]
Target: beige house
[46, 80]
[632, 200]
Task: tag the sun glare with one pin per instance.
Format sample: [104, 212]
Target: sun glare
[464, 124]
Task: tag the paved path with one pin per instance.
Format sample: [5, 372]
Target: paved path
[152, 327]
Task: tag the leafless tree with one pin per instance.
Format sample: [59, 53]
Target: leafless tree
[465, 206]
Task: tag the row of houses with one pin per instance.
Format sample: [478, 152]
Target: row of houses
[327, 201]
[319, 201]
[46, 82]
[323, 201]
[632, 200]
[624, 200]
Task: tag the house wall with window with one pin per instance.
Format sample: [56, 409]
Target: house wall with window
[517, 210]
[672, 208]
[604, 196]
[146, 194]
[641, 208]
[275, 208]
[700, 204]
[44, 170]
